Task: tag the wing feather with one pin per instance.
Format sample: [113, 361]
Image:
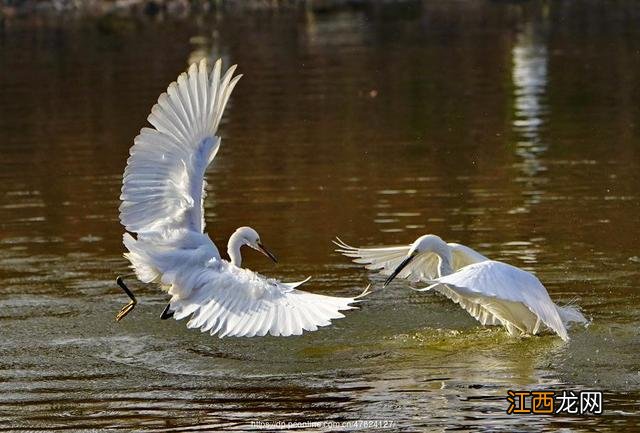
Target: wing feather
[496, 286]
[235, 302]
[163, 184]
[387, 259]
[463, 255]
[162, 202]
[423, 268]
[269, 315]
[384, 259]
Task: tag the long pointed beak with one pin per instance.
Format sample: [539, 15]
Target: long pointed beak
[266, 252]
[400, 267]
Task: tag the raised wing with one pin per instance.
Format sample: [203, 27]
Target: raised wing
[507, 293]
[163, 185]
[233, 302]
[422, 268]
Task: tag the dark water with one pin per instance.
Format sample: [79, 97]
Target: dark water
[510, 127]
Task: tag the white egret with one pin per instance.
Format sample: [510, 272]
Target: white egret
[162, 203]
[494, 293]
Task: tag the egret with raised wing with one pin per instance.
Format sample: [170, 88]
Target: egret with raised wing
[494, 293]
[162, 204]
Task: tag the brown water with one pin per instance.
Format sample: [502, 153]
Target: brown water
[512, 128]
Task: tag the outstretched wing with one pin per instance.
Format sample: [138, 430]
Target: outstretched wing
[503, 290]
[423, 267]
[163, 185]
[383, 259]
[234, 302]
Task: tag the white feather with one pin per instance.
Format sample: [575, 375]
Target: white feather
[162, 203]
[163, 185]
[507, 293]
[387, 259]
[494, 293]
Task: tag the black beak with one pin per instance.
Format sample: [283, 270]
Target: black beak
[266, 252]
[400, 267]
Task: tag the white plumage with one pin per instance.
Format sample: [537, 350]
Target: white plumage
[387, 259]
[162, 203]
[494, 293]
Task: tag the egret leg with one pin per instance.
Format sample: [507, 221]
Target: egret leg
[166, 313]
[127, 308]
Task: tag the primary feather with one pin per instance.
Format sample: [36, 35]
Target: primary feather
[162, 203]
[386, 259]
[163, 184]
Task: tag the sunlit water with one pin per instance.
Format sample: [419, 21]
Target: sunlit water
[511, 128]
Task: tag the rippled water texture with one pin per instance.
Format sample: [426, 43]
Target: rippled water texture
[509, 127]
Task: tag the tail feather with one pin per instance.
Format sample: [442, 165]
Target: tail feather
[571, 314]
[140, 261]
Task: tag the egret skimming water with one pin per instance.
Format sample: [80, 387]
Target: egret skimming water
[162, 203]
[494, 293]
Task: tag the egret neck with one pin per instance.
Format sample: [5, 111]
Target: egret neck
[427, 244]
[249, 237]
[444, 267]
[443, 251]
[236, 241]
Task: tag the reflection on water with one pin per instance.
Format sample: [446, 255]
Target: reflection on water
[530, 59]
[530, 77]
[490, 124]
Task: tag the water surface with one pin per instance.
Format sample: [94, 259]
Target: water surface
[511, 128]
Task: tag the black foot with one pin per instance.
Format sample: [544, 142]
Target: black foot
[131, 305]
[166, 313]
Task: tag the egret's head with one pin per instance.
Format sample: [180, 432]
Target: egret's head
[428, 244]
[249, 237]
[424, 244]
